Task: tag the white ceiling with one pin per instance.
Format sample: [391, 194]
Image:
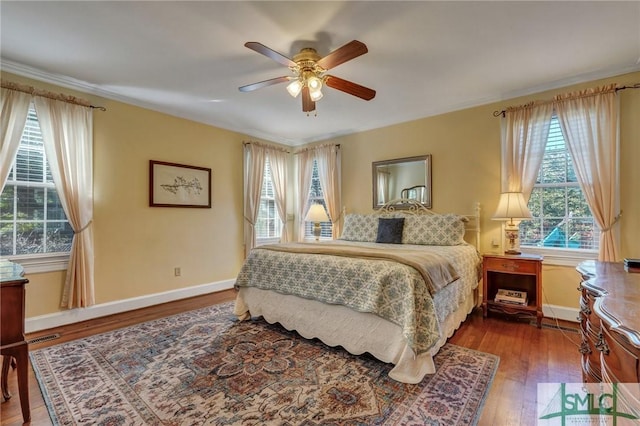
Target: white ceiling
[425, 58]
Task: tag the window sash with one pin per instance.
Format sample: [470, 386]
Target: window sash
[556, 191]
[316, 196]
[268, 224]
[32, 220]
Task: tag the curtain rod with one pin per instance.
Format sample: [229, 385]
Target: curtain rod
[337, 145]
[50, 95]
[266, 145]
[530, 104]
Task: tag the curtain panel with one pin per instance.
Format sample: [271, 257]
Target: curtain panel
[590, 122]
[15, 107]
[278, 163]
[67, 132]
[254, 159]
[524, 137]
[329, 158]
[305, 171]
[383, 186]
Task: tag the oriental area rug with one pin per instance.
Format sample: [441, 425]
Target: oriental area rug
[206, 368]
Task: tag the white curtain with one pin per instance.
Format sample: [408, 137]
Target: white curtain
[383, 186]
[254, 159]
[15, 107]
[67, 132]
[278, 160]
[524, 137]
[305, 170]
[329, 170]
[589, 121]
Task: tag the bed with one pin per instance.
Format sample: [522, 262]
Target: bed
[396, 284]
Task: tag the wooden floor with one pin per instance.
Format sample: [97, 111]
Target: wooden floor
[528, 356]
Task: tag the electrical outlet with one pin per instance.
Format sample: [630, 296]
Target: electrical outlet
[495, 243]
[177, 271]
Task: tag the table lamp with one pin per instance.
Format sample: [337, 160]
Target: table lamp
[316, 214]
[512, 208]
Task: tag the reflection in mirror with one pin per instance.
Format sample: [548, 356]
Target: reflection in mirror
[417, 193]
[408, 178]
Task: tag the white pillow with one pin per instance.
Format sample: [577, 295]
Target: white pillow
[360, 227]
[434, 230]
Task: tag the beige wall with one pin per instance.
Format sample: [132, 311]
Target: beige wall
[137, 246]
[465, 149]
[140, 245]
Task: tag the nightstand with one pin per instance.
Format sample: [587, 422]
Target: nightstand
[521, 273]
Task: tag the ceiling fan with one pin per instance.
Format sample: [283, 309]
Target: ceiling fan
[309, 73]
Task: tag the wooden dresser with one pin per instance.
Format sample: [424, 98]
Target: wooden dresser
[13, 346]
[609, 323]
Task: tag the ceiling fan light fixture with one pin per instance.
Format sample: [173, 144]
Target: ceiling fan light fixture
[315, 95]
[314, 83]
[295, 87]
[309, 69]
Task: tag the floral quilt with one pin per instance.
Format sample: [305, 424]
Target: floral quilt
[392, 290]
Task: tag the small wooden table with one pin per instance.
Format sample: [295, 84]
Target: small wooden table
[13, 345]
[521, 272]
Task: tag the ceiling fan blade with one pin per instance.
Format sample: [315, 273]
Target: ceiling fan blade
[270, 53]
[261, 84]
[351, 50]
[307, 104]
[350, 87]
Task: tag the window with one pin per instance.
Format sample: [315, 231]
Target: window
[316, 196]
[561, 216]
[268, 225]
[32, 220]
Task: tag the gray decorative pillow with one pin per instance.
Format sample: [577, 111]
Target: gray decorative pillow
[434, 230]
[360, 227]
[390, 230]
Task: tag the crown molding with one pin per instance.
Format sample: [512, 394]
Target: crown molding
[92, 89]
[58, 80]
[85, 87]
[74, 84]
[570, 81]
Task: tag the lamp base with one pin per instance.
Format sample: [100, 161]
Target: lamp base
[317, 230]
[511, 234]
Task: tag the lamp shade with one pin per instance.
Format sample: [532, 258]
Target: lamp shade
[316, 213]
[294, 88]
[512, 207]
[314, 83]
[315, 95]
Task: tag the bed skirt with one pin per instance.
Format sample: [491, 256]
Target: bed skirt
[357, 332]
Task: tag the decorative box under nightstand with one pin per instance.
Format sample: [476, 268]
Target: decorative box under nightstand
[514, 273]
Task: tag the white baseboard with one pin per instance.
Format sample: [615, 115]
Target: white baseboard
[61, 318]
[560, 312]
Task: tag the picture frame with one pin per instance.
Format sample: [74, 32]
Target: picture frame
[179, 185]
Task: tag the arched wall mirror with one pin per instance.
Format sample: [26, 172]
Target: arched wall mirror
[402, 178]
